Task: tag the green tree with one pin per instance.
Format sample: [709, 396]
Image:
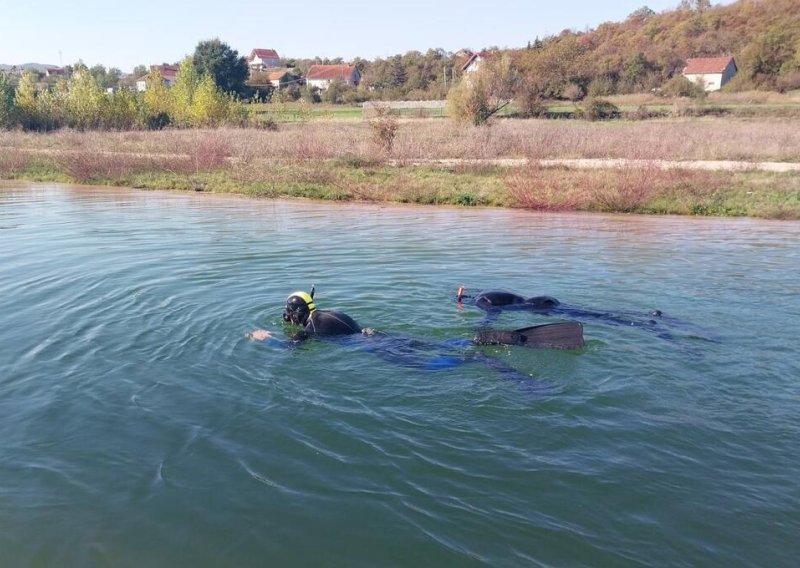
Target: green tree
[25, 101]
[209, 106]
[124, 111]
[106, 78]
[51, 107]
[85, 101]
[156, 101]
[6, 101]
[223, 64]
[181, 95]
[397, 72]
[333, 94]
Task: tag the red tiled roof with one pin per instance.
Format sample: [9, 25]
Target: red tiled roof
[330, 71]
[276, 75]
[263, 54]
[166, 71]
[703, 65]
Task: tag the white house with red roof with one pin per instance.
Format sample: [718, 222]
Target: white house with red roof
[168, 74]
[263, 59]
[710, 72]
[475, 60]
[321, 76]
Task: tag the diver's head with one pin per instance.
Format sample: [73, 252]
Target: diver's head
[299, 306]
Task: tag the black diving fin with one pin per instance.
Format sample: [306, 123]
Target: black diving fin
[563, 335]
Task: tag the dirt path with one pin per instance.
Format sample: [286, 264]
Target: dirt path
[579, 163]
[600, 163]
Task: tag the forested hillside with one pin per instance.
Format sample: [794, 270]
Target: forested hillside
[639, 54]
[648, 49]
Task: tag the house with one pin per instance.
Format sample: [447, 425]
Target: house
[168, 73]
[55, 72]
[280, 78]
[711, 72]
[262, 59]
[321, 76]
[475, 60]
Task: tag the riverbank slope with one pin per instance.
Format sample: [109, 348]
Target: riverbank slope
[650, 167]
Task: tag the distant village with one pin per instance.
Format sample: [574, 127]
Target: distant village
[265, 68]
[268, 73]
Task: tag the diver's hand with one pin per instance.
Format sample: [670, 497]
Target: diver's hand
[260, 335]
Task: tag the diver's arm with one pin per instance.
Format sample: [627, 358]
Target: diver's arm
[265, 336]
[268, 338]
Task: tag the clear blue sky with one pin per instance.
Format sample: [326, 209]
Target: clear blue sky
[126, 34]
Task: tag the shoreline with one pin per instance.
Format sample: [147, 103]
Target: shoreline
[704, 168]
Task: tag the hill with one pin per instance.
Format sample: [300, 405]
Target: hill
[39, 67]
[648, 49]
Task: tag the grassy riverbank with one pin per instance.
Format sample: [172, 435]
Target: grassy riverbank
[341, 161]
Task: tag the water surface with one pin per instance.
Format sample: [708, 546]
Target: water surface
[140, 427]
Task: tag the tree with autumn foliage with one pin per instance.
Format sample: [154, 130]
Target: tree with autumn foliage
[484, 92]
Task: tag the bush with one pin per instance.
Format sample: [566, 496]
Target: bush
[598, 109]
[384, 128]
[789, 82]
[680, 86]
[642, 112]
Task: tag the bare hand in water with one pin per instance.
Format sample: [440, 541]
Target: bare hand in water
[260, 334]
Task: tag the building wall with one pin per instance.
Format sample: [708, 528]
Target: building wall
[714, 81]
[730, 71]
[258, 63]
[322, 84]
[710, 81]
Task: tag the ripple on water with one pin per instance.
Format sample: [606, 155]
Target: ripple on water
[138, 422]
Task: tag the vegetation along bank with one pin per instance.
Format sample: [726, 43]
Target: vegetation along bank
[618, 92]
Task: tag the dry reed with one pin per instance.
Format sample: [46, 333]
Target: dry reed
[625, 189]
[669, 139]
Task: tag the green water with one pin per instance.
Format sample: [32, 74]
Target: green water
[140, 427]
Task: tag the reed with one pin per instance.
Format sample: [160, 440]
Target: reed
[341, 160]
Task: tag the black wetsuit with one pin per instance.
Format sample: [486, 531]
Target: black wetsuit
[495, 301]
[432, 356]
[328, 322]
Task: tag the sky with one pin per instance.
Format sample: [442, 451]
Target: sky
[146, 32]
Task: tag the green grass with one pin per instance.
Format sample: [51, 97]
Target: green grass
[301, 112]
[754, 194]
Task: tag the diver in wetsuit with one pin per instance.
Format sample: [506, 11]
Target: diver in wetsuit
[410, 352]
[493, 301]
[300, 310]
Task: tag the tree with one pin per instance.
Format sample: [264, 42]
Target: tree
[6, 101]
[397, 72]
[222, 64]
[483, 93]
[641, 14]
[181, 95]
[85, 100]
[695, 5]
[333, 93]
[25, 101]
[156, 101]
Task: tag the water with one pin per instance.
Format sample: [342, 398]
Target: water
[140, 427]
